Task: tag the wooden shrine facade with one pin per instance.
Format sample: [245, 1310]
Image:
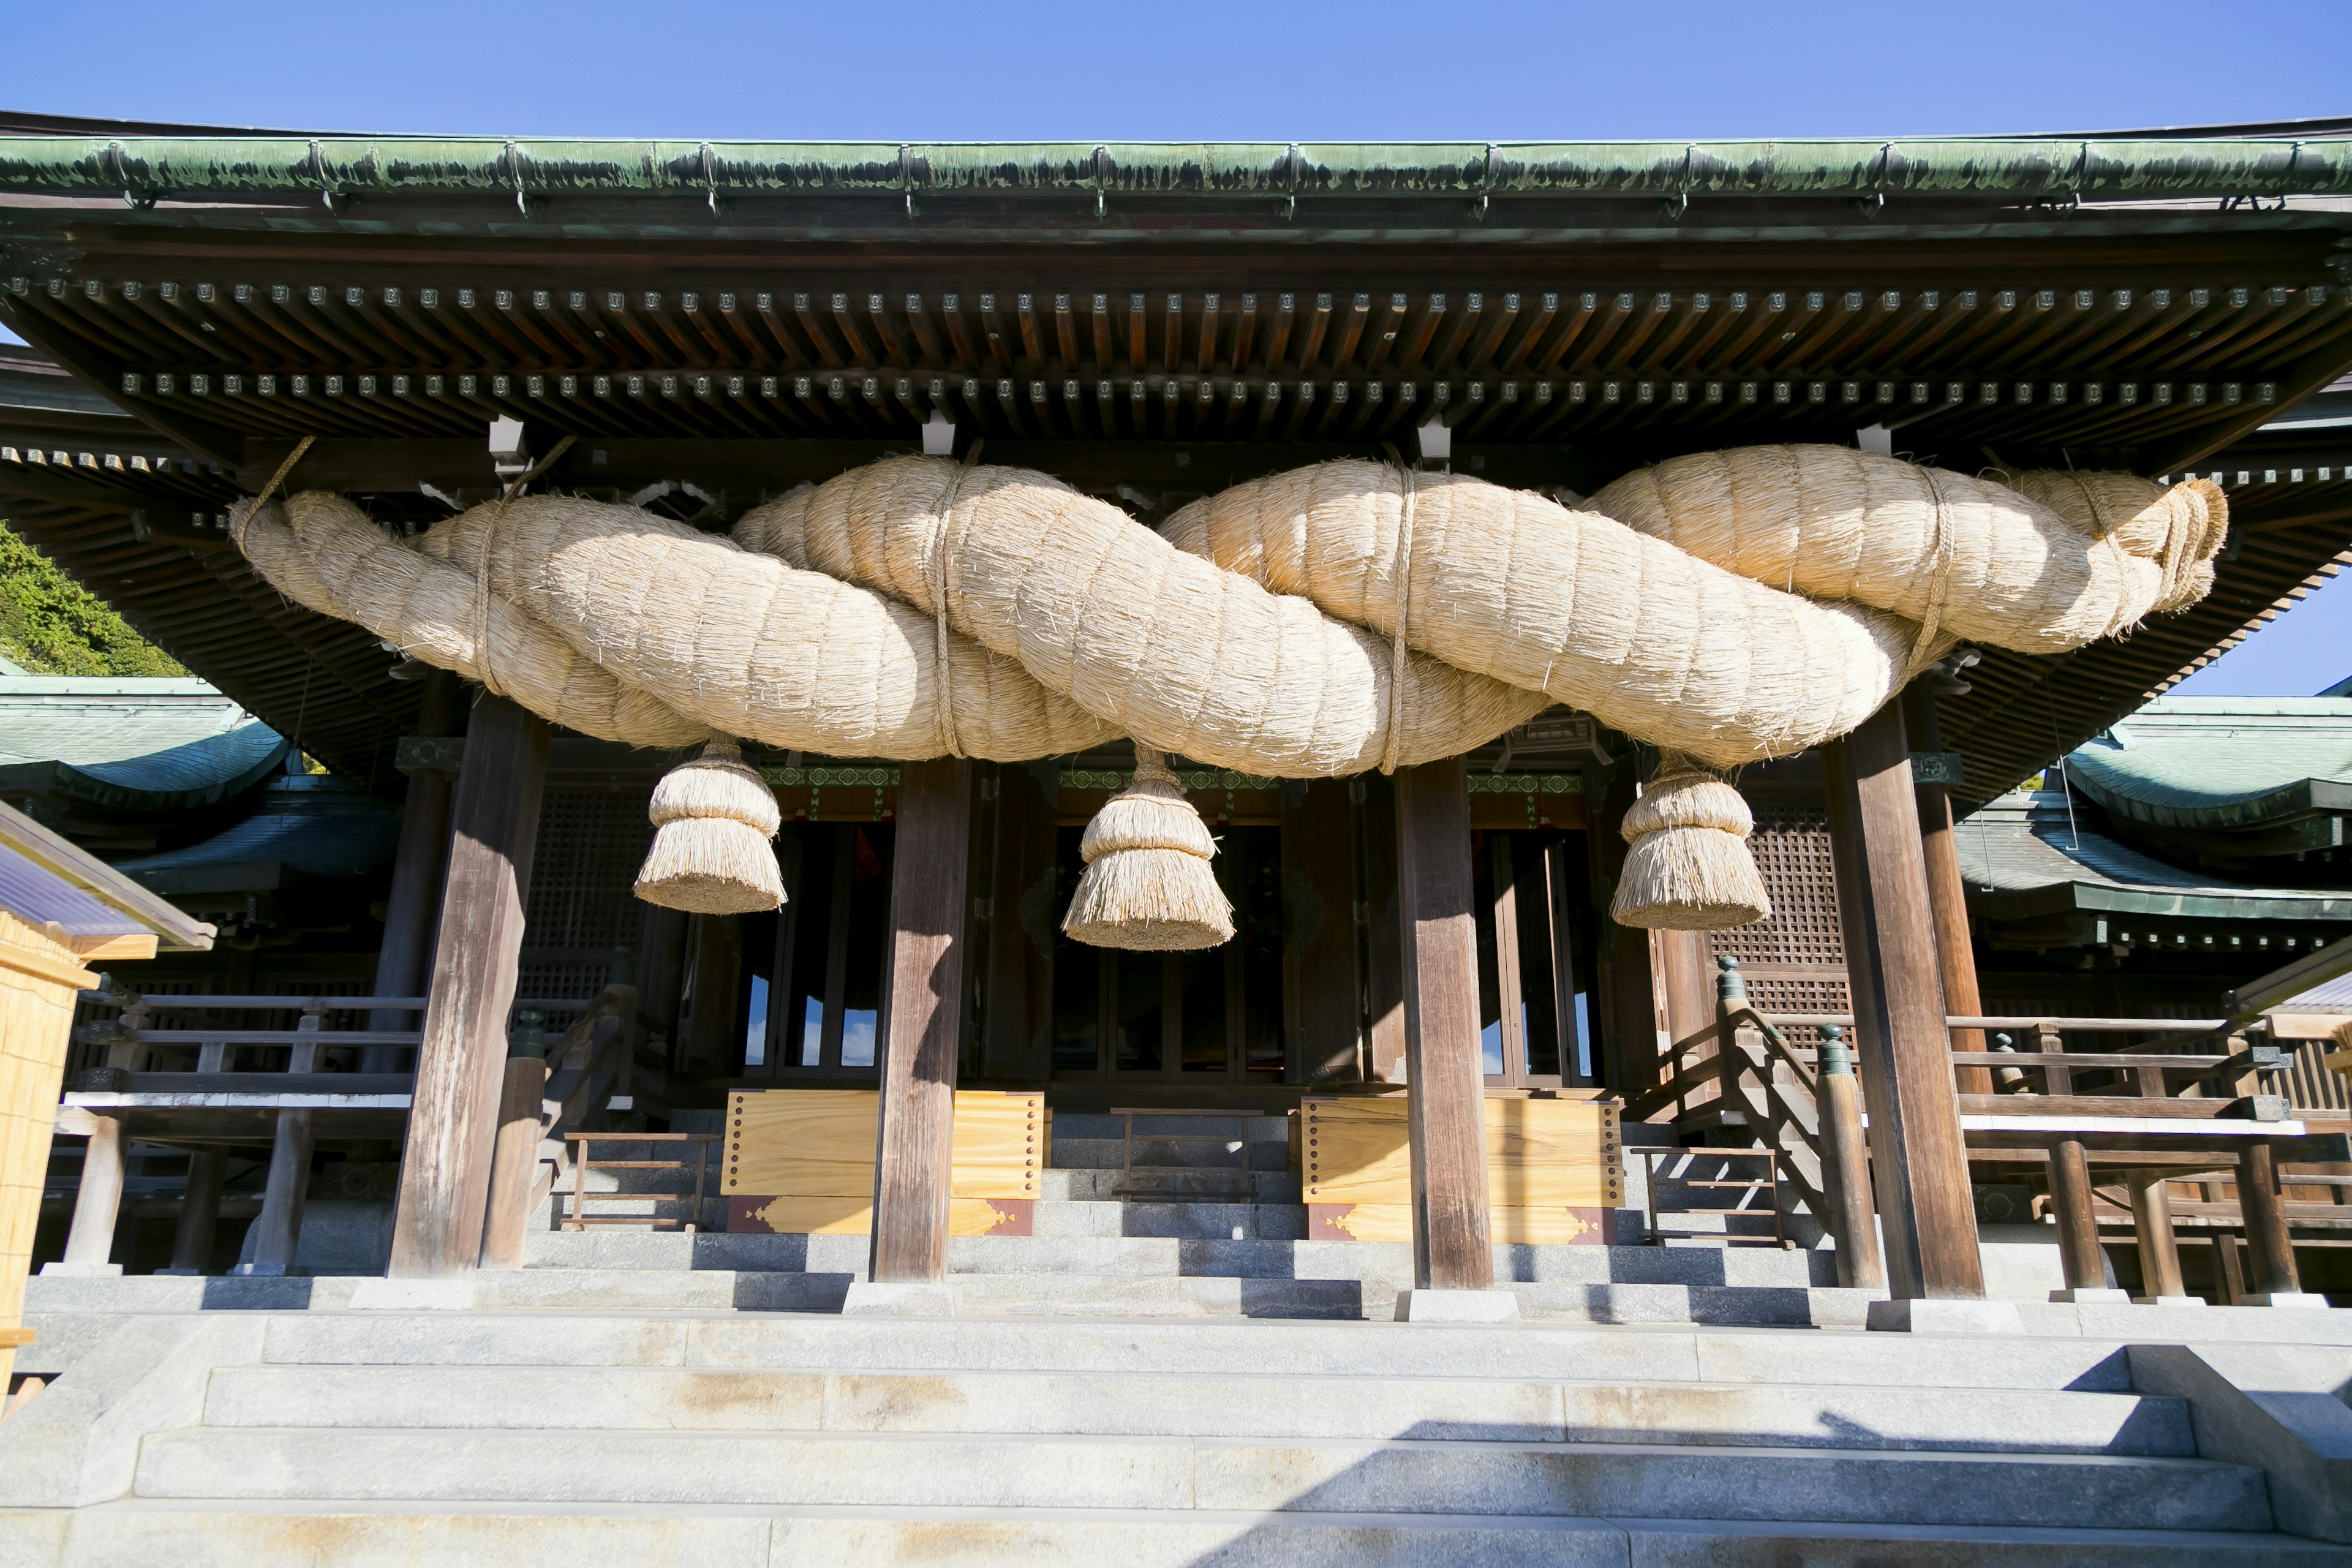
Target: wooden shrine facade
[711, 326]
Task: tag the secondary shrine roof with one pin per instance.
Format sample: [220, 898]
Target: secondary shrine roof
[129, 743]
[2220, 763]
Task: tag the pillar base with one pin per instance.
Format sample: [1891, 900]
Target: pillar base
[1456, 1306]
[260, 1271]
[180, 1273]
[1959, 1315]
[80, 1270]
[2170, 1302]
[925, 1299]
[2307, 1300]
[2094, 1296]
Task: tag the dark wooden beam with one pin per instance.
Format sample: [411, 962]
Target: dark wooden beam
[1318, 945]
[1453, 1249]
[445, 1170]
[1919, 1161]
[915, 1133]
[1384, 935]
[414, 902]
[1016, 1025]
[1628, 1050]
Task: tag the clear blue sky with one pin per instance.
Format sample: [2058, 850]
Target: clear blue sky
[1366, 71]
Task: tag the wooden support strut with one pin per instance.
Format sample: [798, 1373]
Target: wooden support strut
[445, 1170]
[2159, 1250]
[2267, 1237]
[1846, 1167]
[1445, 1111]
[192, 1242]
[1918, 1160]
[2079, 1254]
[90, 1243]
[1947, 891]
[915, 1133]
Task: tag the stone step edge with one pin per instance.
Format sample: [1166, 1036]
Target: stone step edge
[1485, 1447]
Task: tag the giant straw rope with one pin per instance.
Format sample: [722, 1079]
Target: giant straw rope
[1726, 608]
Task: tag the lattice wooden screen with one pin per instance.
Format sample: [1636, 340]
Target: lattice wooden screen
[1794, 962]
[590, 843]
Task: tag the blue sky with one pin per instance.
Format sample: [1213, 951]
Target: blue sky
[1371, 69]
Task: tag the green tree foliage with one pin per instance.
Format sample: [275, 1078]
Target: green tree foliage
[53, 626]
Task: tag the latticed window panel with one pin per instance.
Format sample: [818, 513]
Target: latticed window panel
[1792, 845]
[590, 843]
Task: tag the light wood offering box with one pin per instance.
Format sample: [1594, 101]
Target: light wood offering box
[800, 1162]
[1555, 1169]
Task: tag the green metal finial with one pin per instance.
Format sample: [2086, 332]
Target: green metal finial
[1836, 1061]
[530, 1036]
[1730, 986]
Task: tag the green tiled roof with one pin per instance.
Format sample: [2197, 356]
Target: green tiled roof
[313, 824]
[129, 744]
[2218, 763]
[2024, 854]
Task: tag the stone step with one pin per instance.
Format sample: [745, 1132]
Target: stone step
[1565, 1352]
[1111, 1153]
[1189, 1221]
[1199, 1404]
[359, 1534]
[1090, 1184]
[1390, 1263]
[1401, 1476]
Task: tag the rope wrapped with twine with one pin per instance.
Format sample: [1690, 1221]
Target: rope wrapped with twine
[1313, 624]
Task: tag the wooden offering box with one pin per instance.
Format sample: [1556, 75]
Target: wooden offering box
[801, 1161]
[1555, 1169]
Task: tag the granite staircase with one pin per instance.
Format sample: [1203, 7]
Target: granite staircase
[509, 1439]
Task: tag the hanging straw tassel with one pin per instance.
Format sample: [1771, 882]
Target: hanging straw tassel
[713, 818]
[1147, 887]
[1688, 867]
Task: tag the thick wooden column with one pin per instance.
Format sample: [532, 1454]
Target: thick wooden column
[1946, 891]
[1926, 1205]
[1318, 939]
[278, 1233]
[1629, 1051]
[915, 1136]
[90, 1243]
[1446, 1091]
[2079, 1253]
[418, 864]
[2159, 1250]
[445, 1170]
[2267, 1237]
[191, 1243]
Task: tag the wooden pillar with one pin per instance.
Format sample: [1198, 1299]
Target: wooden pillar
[2273, 1248]
[514, 1163]
[1926, 1205]
[89, 1243]
[277, 1234]
[445, 1169]
[418, 864]
[1446, 1113]
[1383, 933]
[1684, 987]
[1628, 1055]
[1946, 891]
[1510, 984]
[1319, 940]
[707, 1044]
[2079, 1253]
[915, 1136]
[2159, 1250]
[1558, 902]
[1846, 1167]
[1017, 1027]
[192, 1242]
